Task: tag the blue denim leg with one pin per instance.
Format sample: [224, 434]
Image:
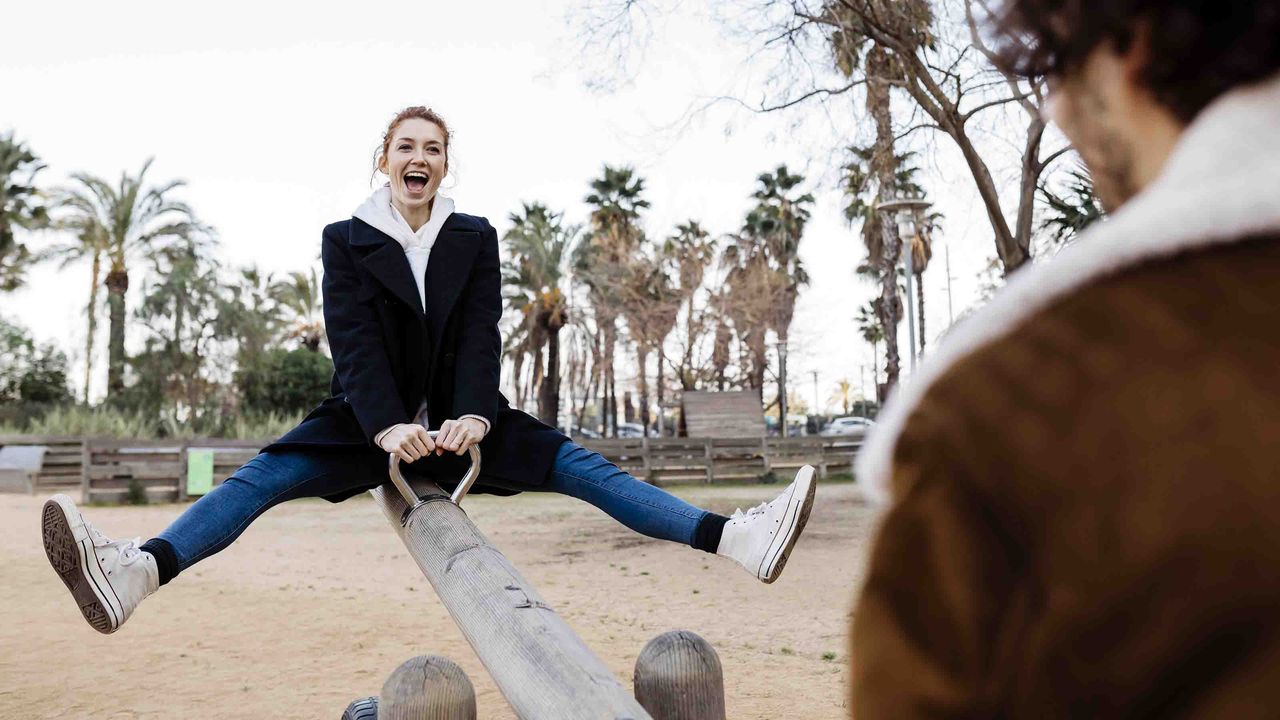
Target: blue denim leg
[648, 510]
[218, 518]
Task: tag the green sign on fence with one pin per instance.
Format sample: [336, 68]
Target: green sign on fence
[199, 471]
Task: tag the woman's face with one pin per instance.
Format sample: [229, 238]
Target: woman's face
[416, 162]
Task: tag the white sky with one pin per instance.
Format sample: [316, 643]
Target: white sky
[272, 111]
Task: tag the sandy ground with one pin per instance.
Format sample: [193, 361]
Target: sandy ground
[317, 603]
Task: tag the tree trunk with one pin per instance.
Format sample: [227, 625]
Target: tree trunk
[549, 393]
[920, 308]
[517, 377]
[883, 165]
[782, 386]
[117, 285]
[611, 389]
[642, 357]
[92, 311]
[662, 415]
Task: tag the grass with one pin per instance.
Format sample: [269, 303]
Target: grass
[109, 422]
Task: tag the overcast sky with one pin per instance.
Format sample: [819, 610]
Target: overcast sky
[272, 111]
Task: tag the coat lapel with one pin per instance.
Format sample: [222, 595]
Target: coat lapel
[448, 268]
[387, 263]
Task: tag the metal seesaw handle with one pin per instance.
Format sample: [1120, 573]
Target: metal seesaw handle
[411, 498]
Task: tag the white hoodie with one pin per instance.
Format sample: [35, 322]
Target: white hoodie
[380, 214]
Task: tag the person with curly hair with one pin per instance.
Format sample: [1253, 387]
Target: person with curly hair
[1082, 498]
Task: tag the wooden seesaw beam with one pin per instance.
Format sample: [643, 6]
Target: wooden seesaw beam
[539, 663]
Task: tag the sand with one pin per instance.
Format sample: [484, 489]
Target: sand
[317, 603]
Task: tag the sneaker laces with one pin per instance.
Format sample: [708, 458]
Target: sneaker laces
[757, 510]
[129, 550]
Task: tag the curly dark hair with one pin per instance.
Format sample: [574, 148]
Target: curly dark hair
[1199, 49]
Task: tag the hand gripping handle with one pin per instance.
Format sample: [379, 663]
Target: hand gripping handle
[411, 498]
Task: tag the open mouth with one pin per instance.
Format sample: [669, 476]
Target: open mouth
[415, 181]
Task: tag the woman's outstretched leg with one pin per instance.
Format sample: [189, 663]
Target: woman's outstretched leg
[110, 578]
[760, 539]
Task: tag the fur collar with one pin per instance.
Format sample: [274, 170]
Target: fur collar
[1220, 184]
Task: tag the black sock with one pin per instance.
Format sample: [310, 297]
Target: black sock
[707, 536]
[166, 558]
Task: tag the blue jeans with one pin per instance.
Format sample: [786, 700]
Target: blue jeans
[269, 479]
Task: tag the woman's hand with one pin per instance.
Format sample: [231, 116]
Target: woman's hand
[458, 435]
[407, 442]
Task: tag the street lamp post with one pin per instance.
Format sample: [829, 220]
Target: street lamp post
[906, 212]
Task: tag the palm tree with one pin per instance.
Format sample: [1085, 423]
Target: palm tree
[872, 331]
[1072, 211]
[603, 262]
[19, 208]
[779, 220]
[693, 251]
[90, 244]
[538, 241]
[921, 254]
[132, 219]
[300, 301]
[651, 302]
[255, 315]
[843, 394]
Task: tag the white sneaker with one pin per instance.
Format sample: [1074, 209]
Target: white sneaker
[108, 579]
[761, 538]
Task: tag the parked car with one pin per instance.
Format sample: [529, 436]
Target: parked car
[630, 430]
[847, 426]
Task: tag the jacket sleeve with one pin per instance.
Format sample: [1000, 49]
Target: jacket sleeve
[927, 637]
[355, 338]
[477, 366]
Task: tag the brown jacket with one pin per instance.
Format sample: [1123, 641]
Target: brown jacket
[1084, 482]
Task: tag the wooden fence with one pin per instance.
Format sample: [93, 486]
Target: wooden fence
[106, 469]
[63, 462]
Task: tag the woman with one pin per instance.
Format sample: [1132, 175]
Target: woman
[411, 304]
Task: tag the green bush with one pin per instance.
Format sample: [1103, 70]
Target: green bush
[137, 493]
[284, 381]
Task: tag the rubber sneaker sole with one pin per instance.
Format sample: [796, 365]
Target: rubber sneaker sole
[70, 552]
[795, 519]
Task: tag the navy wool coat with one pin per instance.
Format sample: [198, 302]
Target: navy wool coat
[389, 354]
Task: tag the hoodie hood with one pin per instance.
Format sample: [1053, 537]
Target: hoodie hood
[378, 212]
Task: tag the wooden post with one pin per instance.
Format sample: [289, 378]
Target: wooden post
[427, 687]
[678, 677]
[538, 663]
[86, 455]
[711, 460]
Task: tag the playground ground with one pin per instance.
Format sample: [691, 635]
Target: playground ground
[317, 603]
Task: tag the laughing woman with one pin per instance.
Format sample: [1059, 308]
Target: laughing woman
[411, 307]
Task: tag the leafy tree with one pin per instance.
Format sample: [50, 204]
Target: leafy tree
[20, 207]
[30, 373]
[251, 313]
[183, 310]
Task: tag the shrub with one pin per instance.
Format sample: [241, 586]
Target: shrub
[284, 381]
